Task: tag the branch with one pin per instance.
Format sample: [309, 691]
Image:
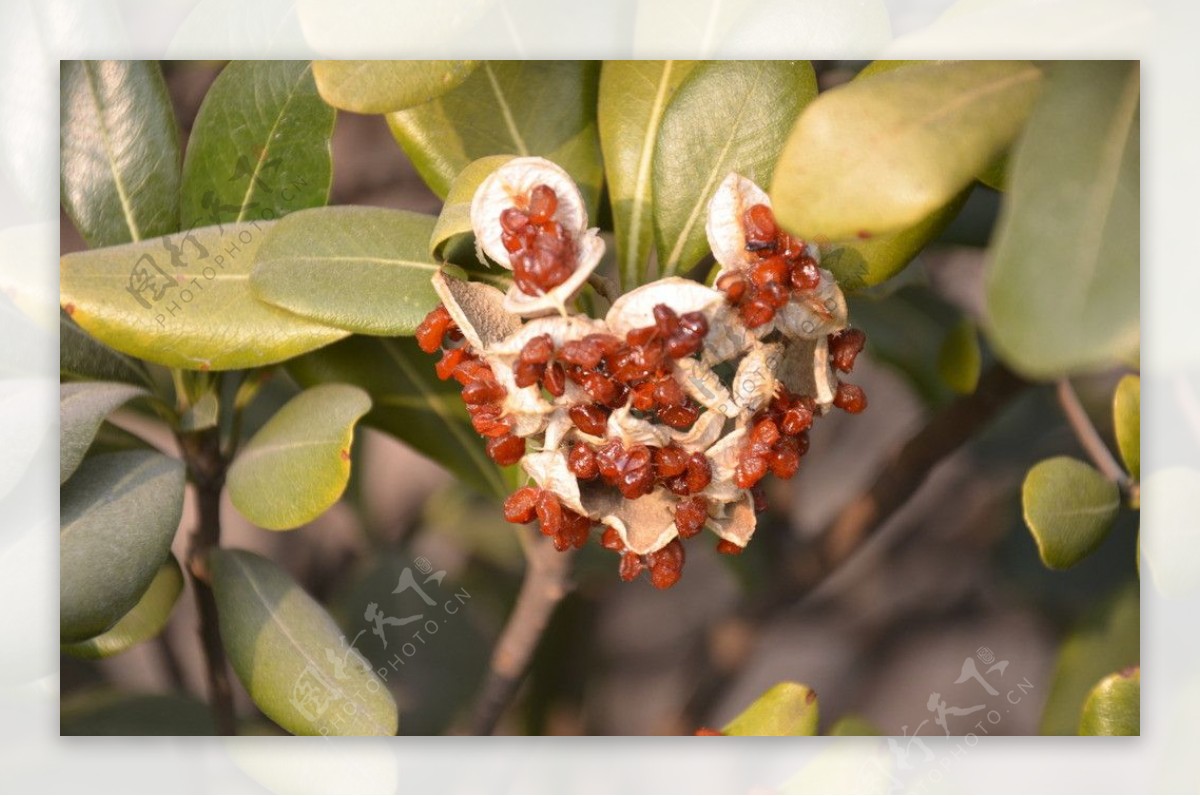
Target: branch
[1089, 437]
[899, 479]
[546, 583]
[201, 451]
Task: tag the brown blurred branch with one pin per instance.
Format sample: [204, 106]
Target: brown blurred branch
[546, 583]
[899, 478]
[206, 467]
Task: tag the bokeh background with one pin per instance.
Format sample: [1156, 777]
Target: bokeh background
[953, 575]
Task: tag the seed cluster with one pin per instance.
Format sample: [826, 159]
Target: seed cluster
[626, 423]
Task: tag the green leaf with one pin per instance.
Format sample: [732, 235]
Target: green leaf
[1062, 292]
[198, 314]
[119, 514]
[783, 709]
[363, 269]
[854, 725]
[1114, 706]
[144, 622]
[298, 464]
[881, 154]
[80, 356]
[119, 151]
[1127, 423]
[1107, 639]
[1069, 507]
[290, 655]
[861, 263]
[455, 219]
[633, 97]
[82, 408]
[260, 146]
[386, 86]
[545, 108]
[960, 359]
[108, 712]
[727, 116]
[409, 402]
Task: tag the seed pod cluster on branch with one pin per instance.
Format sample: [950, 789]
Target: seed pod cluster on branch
[661, 419]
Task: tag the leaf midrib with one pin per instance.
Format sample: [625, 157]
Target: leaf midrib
[262, 158]
[641, 191]
[505, 110]
[118, 182]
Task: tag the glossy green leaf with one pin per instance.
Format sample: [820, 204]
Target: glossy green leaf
[119, 713]
[409, 402]
[1062, 292]
[298, 464]
[455, 219]
[784, 709]
[260, 146]
[1127, 423]
[290, 655]
[1107, 639]
[1114, 706]
[854, 725]
[363, 269]
[960, 359]
[880, 154]
[80, 356]
[197, 313]
[82, 408]
[119, 513]
[545, 108]
[144, 622]
[119, 149]
[1069, 507]
[727, 116]
[633, 97]
[386, 86]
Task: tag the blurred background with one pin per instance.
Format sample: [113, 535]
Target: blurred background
[953, 576]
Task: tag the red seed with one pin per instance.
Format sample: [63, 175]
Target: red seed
[775, 294]
[583, 353]
[670, 461]
[609, 458]
[513, 220]
[549, 513]
[527, 374]
[429, 332]
[506, 450]
[679, 417]
[764, 434]
[538, 350]
[749, 471]
[757, 312]
[708, 731]
[602, 389]
[785, 459]
[772, 269]
[699, 472]
[666, 565]
[520, 507]
[690, 516]
[667, 392]
[729, 548]
[694, 323]
[844, 348]
[589, 418]
[482, 391]
[806, 275]
[797, 418]
[631, 566]
[543, 202]
[636, 472]
[760, 226]
[733, 285]
[611, 540]
[451, 359]
[684, 344]
[850, 398]
[665, 320]
[581, 461]
[554, 379]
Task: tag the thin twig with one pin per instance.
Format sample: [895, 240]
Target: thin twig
[202, 452]
[546, 583]
[603, 286]
[1089, 437]
[899, 479]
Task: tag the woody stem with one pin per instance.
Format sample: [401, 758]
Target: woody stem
[546, 583]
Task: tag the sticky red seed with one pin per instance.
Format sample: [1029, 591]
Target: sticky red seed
[506, 450]
[749, 471]
[429, 331]
[554, 379]
[844, 348]
[589, 418]
[699, 472]
[670, 461]
[850, 398]
[772, 269]
[451, 359]
[538, 350]
[733, 285]
[482, 391]
[543, 202]
[520, 507]
[581, 461]
[611, 540]
[631, 566]
[760, 226]
[690, 516]
[757, 312]
[805, 275]
[728, 548]
[665, 320]
[666, 565]
[513, 220]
